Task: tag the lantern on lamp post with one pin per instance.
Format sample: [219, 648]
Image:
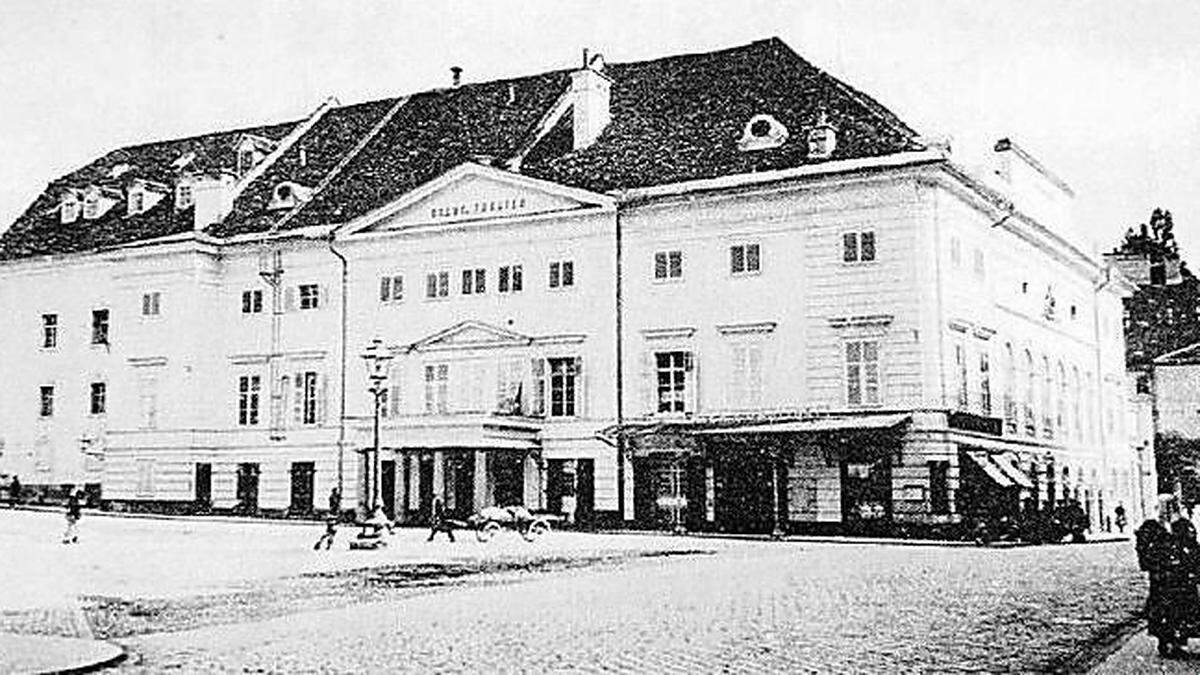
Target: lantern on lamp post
[378, 360]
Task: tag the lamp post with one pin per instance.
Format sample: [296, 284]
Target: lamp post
[378, 360]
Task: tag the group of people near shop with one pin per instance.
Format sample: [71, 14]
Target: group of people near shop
[1167, 550]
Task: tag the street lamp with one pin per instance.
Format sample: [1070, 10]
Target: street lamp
[378, 360]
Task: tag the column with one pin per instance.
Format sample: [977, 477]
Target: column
[531, 493]
[481, 495]
[439, 477]
[413, 499]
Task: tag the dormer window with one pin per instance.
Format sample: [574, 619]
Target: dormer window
[136, 201]
[69, 211]
[762, 132]
[822, 138]
[287, 195]
[246, 161]
[91, 205]
[184, 197]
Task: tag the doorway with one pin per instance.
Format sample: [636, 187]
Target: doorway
[508, 475]
[424, 488]
[302, 488]
[203, 487]
[387, 487]
[585, 492]
[247, 488]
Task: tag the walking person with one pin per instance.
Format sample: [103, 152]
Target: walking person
[1120, 517]
[331, 520]
[438, 522]
[74, 512]
[1167, 549]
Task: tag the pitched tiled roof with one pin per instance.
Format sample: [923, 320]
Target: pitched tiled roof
[1161, 319]
[673, 119]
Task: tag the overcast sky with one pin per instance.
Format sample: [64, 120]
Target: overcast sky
[1104, 93]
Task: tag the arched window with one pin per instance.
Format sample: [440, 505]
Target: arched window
[1010, 382]
[1030, 392]
[1047, 399]
[1076, 397]
[1060, 421]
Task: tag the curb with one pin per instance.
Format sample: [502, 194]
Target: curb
[870, 541]
[249, 520]
[113, 660]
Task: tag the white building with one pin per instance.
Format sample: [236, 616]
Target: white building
[731, 270]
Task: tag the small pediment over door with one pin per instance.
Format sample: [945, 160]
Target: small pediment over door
[470, 335]
[471, 192]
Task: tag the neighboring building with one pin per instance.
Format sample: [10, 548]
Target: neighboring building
[755, 285]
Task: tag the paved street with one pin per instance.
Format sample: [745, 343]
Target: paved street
[730, 606]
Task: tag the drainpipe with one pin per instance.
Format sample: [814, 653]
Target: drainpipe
[341, 442]
[620, 328]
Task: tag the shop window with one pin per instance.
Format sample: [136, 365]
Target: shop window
[862, 372]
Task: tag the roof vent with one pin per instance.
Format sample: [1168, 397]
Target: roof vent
[456, 75]
[762, 132]
[288, 194]
[69, 208]
[183, 160]
[119, 170]
[822, 138]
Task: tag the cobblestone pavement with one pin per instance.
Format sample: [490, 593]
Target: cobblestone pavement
[752, 607]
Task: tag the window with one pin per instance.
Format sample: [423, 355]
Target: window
[474, 281]
[668, 265]
[985, 384]
[509, 279]
[150, 303]
[746, 376]
[955, 251]
[564, 374]
[137, 201]
[1029, 421]
[248, 392]
[308, 398]
[145, 477]
[980, 270]
[939, 487]
[858, 246]
[1060, 419]
[91, 206]
[100, 326]
[49, 331]
[437, 378]
[961, 381]
[46, 408]
[183, 196]
[562, 274]
[148, 400]
[310, 296]
[70, 209]
[862, 372]
[437, 285]
[1010, 383]
[671, 370]
[744, 259]
[252, 302]
[99, 403]
[391, 288]
[1047, 399]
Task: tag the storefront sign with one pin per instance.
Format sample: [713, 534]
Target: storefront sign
[980, 424]
[480, 208]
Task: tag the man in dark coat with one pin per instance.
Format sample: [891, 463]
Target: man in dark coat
[331, 520]
[1167, 549]
[438, 522]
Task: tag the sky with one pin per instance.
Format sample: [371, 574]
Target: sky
[1103, 93]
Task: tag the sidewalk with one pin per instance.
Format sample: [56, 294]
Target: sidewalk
[1140, 655]
[43, 654]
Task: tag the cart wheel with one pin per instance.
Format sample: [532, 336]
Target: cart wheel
[535, 531]
[487, 530]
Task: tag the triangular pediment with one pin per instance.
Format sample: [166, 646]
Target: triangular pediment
[470, 335]
[472, 192]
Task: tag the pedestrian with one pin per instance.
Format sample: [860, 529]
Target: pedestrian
[14, 491]
[1119, 512]
[74, 511]
[1167, 549]
[331, 520]
[438, 522]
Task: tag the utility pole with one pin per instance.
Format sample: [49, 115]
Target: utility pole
[270, 268]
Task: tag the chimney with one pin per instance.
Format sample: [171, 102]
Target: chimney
[456, 75]
[213, 198]
[590, 91]
[822, 138]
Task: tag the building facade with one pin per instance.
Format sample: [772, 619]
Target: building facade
[716, 291]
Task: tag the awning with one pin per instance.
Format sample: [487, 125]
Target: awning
[989, 467]
[859, 422]
[1008, 464]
